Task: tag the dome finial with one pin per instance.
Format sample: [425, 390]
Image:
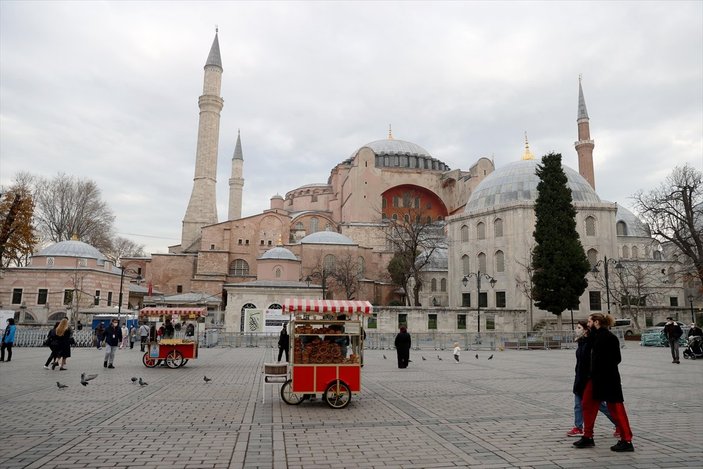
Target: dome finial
[390, 132]
[527, 155]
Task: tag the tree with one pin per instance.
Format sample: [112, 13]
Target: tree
[346, 274]
[122, 247]
[524, 281]
[674, 213]
[17, 236]
[67, 206]
[400, 273]
[559, 261]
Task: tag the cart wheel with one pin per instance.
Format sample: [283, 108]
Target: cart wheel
[185, 360]
[174, 359]
[288, 396]
[337, 395]
[148, 361]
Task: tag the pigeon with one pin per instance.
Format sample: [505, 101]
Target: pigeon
[134, 380]
[61, 386]
[423, 358]
[439, 358]
[85, 377]
[84, 382]
[491, 357]
[142, 382]
[477, 356]
[384, 357]
[206, 379]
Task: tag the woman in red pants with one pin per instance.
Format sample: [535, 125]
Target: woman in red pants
[603, 384]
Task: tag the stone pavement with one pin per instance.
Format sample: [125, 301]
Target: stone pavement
[512, 411]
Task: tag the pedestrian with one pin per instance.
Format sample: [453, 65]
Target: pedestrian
[64, 339]
[283, 343]
[125, 336]
[673, 333]
[190, 330]
[99, 335]
[8, 340]
[52, 343]
[603, 384]
[143, 335]
[694, 330]
[457, 351]
[169, 330]
[583, 365]
[402, 347]
[132, 337]
[113, 338]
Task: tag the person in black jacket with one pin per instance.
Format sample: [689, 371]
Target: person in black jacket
[402, 347]
[113, 338]
[64, 340]
[52, 342]
[283, 343]
[673, 333]
[603, 384]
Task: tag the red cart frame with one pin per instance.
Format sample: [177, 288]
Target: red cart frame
[322, 331]
[174, 352]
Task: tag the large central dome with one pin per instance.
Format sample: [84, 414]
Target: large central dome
[392, 153]
[397, 147]
[518, 182]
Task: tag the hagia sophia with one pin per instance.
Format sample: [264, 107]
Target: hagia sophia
[484, 216]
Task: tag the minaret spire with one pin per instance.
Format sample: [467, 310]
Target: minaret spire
[584, 145]
[390, 132]
[236, 181]
[527, 154]
[202, 207]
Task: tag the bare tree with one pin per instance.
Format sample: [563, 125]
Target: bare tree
[346, 275]
[67, 206]
[674, 213]
[17, 235]
[123, 247]
[523, 280]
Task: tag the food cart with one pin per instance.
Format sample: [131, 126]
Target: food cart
[174, 352]
[327, 343]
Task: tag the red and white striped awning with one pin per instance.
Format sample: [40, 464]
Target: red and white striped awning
[187, 312]
[300, 305]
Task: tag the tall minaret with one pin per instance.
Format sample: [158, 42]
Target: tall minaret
[236, 182]
[202, 208]
[584, 145]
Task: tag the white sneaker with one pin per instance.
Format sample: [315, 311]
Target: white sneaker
[46, 367]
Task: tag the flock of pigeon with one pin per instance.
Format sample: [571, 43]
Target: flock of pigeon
[438, 357]
[85, 379]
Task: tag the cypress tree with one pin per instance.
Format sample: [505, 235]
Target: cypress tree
[559, 262]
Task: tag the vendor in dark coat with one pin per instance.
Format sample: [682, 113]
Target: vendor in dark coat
[283, 343]
[402, 347]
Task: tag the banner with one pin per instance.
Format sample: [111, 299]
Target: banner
[253, 320]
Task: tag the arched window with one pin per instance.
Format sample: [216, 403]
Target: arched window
[498, 227]
[657, 255]
[275, 306]
[278, 272]
[592, 255]
[406, 217]
[429, 220]
[590, 226]
[482, 262]
[465, 265]
[242, 314]
[481, 231]
[621, 228]
[330, 262]
[299, 226]
[433, 285]
[500, 261]
[443, 284]
[464, 234]
[395, 216]
[635, 252]
[383, 202]
[313, 225]
[626, 252]
[238, 268]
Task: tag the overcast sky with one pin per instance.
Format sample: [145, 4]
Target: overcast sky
[109, 90]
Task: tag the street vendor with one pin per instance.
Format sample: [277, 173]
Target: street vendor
[169, 330]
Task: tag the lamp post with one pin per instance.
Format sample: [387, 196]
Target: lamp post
[478, 276]
[605, 262]
[690, 301]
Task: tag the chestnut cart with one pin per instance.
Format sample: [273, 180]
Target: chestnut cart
[327, 343]
[175, 352]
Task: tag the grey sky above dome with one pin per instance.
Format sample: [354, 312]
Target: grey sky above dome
[71, 249]
[635, 226]
[279, 253]
[327, 237]
[517, 182]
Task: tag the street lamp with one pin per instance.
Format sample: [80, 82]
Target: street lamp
[690, 301]
[138, 278]
[605, 262]
[478, 276]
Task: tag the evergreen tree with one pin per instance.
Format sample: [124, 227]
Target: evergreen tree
[559, 262]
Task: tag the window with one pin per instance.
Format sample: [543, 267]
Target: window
[395, 216]
[383, 202]
[42, 296]
[481, 231]
[490, 322]
[657, 255]
[240, 242]
[464, 234]
[461, 321]
[498, 228]
[500, 261]
[262, 242]
[443, 285]
[329, 263]
[373, 321]
[500, 299]
[96, 298]
[278, 272]
[594, 300]
[482, 262]
[269, 242]
[396, 201]
[432, 322]
[238, 268]
[246, 242]
[592, 256]
[621, 228]
[483, 299]
[313, 225]
[402, 319]
[417, 202]
[179, 288]
[406, 200]
[635, 252]
[625, 252]
[16, 296]
[49, 261]
[673, 301]
[648, 320]
[82, 262]
[406, 217]
[67, 297]
[429, 220]
[465, 264]
[212, 247]
[434, 285]
[299, 226]
[466, 300]
[109, 298]
[590, 226]
[313, 198]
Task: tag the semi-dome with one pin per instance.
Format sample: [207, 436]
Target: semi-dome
[72, 248]
[327, 237]
[439, 260]
[518, 181]
[280, 253]
[633, 226]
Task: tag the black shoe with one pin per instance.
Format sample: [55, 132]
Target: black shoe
[110, 366]
[54, 365]
[105, 364]
[584, 442]
[622, 446]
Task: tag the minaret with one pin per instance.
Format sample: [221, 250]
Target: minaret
[236, 182]
[202, 207]
[584, 145]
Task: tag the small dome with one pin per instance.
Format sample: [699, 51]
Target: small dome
[279, 253]
[327, 237]
[439, 260]
[633, 225]
[72, 249]
[518, 182]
